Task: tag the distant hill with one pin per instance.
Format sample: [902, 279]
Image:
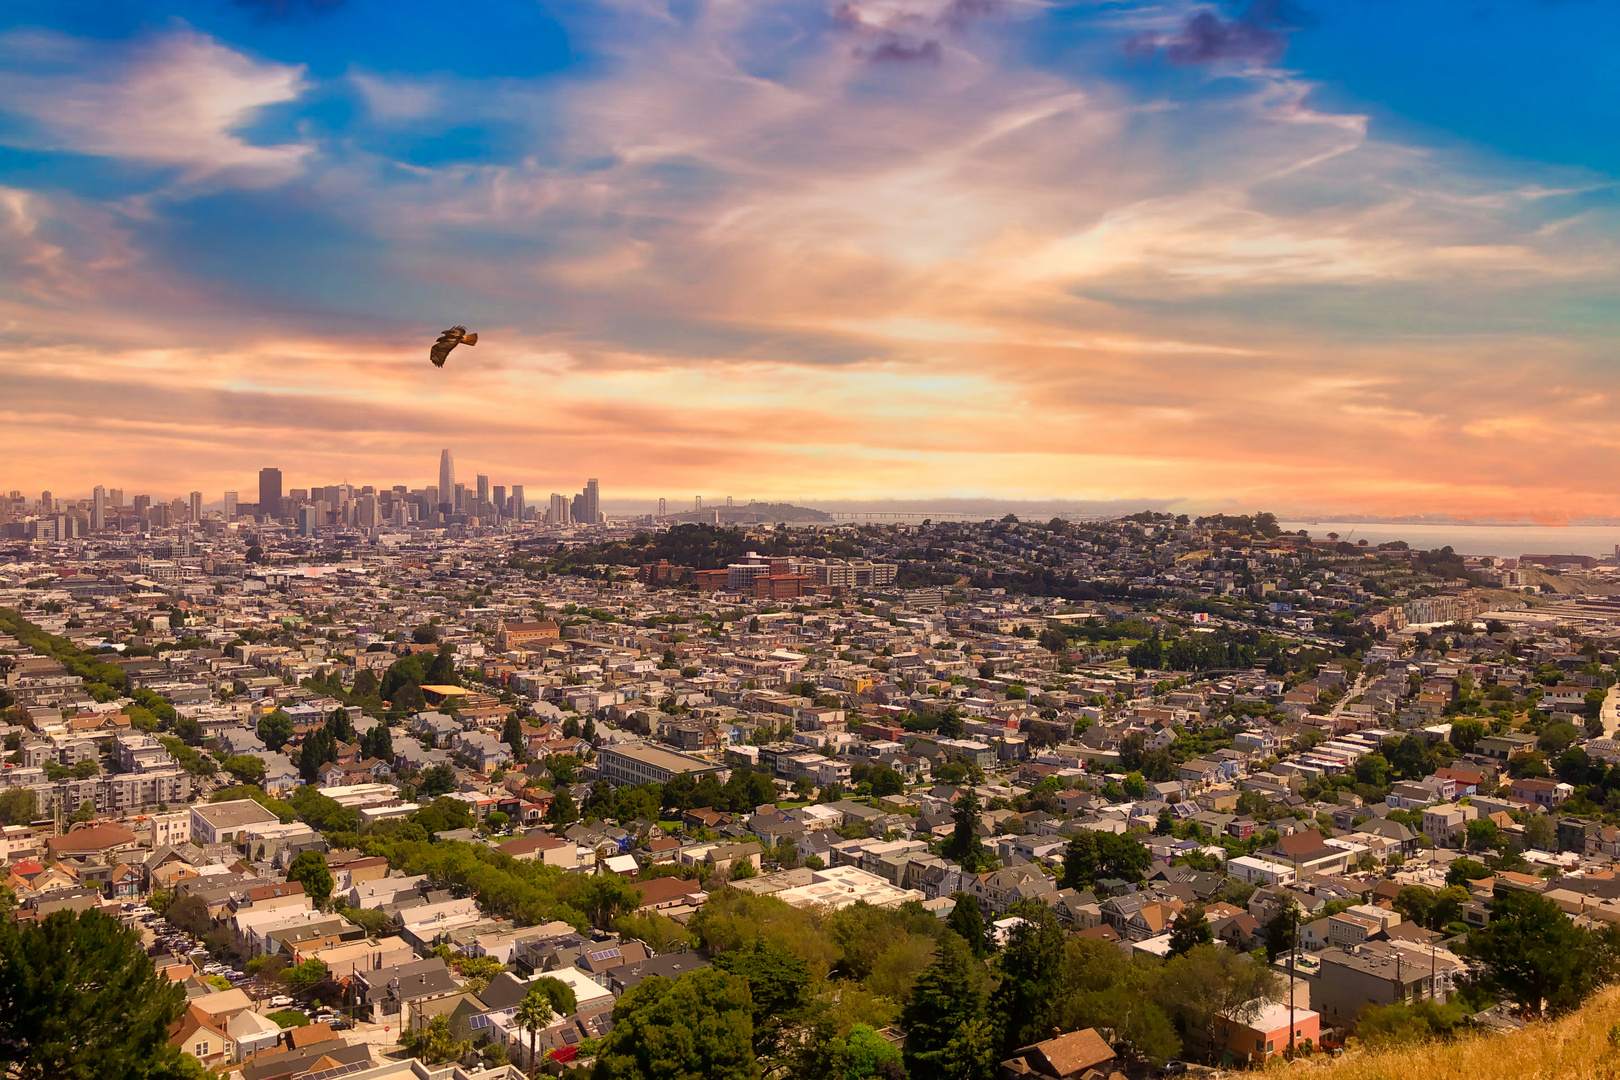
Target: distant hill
[1577, 1047]
[755, 513]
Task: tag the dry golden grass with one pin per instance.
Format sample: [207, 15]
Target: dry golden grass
[1576, 1047]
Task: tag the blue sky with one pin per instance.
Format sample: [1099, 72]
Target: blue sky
[1354, 255]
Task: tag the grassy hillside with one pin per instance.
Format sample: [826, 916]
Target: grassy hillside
[1576, 1047]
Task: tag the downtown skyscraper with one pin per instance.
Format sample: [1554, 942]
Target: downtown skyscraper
[270, 493]
[447, 479]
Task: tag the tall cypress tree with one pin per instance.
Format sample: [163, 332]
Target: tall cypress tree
[968, 923]
[947, 1003]
[964, 845]
[1031, 968]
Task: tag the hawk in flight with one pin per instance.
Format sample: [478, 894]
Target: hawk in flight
[456, 335]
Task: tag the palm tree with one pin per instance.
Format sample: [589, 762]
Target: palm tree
[547, 998]
[534, 1013]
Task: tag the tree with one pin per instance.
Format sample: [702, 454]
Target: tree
[1463, 871]
[189, 914]
[378, 743]
[436, 1043]
[1092, 856]
[512, 735]
[317, 749]
[964, 844]
[863, 1053]
[1164, 823]
[1031, 967]
[947, 1003]
[306, 976]
[1484, 835]
[18, 806]
[699, 1025]
[547, 999]
[1540, 834]
[562, 810]
[436, 780]
[886, 781]
[442, 671]
[1207, 984]
[80, 1000]
[1189, 930]
[1466, 733]
[310, 868]
[605, 897]
[246, 768]
[1537, 956]
[1282, 928]
[1416, 904]
[782, 997]
[968, 923]
[275, 730]
[85, 812]
[1372, 769]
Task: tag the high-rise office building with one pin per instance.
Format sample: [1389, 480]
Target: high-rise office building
[270, 492]
[593, 501]
[47, 503]
[196, 506]
[230, 506]
[143, 509]
[115, 497]
[483, 489]
[447, 477]
[515, 507]
[459, 501]
[558, 514]
[499, 497]
[98, 508]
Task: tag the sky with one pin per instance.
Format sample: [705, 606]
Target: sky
[1352, 256]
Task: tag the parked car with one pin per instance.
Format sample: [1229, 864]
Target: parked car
[280, 1001]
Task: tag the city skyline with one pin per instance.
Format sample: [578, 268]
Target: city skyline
[1208, 256]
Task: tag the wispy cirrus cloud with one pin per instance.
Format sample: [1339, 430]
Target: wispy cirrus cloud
[178, 101]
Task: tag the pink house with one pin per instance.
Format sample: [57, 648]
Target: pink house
[1265, 1034]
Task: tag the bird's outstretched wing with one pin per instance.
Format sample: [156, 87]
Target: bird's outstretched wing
[447, 341]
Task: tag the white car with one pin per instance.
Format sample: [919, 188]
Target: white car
[280, 1001]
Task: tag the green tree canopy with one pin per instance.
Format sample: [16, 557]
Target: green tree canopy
[18, 806]
[246, 768]
[1189, 930]
[275, 730]
[1537, 956]
[310, 868]
[697, 1027]
[436, 780]
[1092, 856]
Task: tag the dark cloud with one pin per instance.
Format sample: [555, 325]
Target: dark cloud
[905, 52]
[1259, 34]
[962, 14]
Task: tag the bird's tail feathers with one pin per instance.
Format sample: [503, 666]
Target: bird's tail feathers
[470, 339]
